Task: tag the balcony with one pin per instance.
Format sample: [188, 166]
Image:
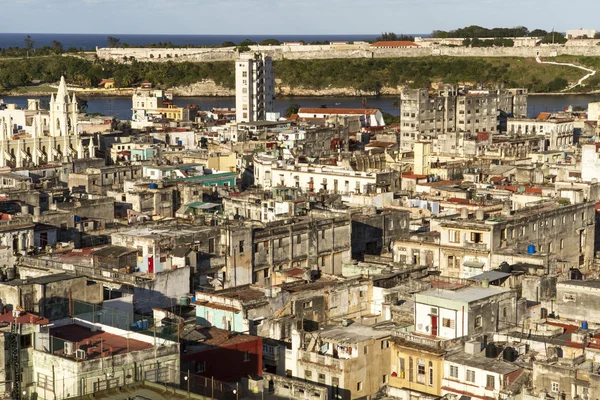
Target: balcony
[476, 246]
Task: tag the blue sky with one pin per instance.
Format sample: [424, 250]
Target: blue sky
[289, 17]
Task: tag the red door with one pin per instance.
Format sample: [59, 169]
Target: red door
[434, 326]
[151, 265]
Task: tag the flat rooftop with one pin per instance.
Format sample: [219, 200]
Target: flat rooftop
[479, 361]
[466, 294]
[96, 344]
[42, 280]
[352, 334]
[593, 284]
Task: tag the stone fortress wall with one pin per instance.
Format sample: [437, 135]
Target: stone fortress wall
[349, 51]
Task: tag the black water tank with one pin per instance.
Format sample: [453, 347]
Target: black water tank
[491, 350]
[509, 354]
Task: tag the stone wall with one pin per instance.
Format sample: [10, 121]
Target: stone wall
[311, 52]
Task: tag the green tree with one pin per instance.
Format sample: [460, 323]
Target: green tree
[270, 42]
[227, 44]
[29, 43]
[538, 33]
[113, 41]
[247, 42]
[242, 48]
[292, 109]
[554, 38]
[57, 47]
[82, 104]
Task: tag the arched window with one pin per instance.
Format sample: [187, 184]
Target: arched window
[57, 125]
[430, 373]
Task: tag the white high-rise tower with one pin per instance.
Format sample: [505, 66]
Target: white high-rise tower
[254, 87]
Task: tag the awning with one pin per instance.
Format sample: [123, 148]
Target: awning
[491, 276]
[473, 264]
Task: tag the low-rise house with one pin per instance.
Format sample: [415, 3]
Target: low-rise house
[477, 376]
[465, 311]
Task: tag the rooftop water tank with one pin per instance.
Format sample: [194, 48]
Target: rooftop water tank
[531, 249]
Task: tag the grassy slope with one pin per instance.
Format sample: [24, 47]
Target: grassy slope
[363, 74]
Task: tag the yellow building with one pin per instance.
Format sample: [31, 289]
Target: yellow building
[417, 365]
[174, 112]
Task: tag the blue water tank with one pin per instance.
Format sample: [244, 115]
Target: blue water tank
[179, 143]
[140, 325]
[76, 218]
[144, 324]
[584, 325]
[153, 186]
[531, 249]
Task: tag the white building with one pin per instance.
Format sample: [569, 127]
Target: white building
[34, 136]
[590, 163]
[558, 132]
[594, 111]
[471, 374]
[269, 172]
[254, 87]
[450, 314]
[145, 106]
[368, 117]
[581, 33]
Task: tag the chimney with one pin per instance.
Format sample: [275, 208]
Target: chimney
[464, 213]
[480, 214]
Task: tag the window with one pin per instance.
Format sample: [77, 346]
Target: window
[323, 234]
[470, 375]
[430, 374]
[279, 242]
[410, 369]
[307, 304]
[448, 323]
[478, 321]
[246, 356]
[359, 386]
[200, 367]
[322, 378]
[45, 382]
[307, 374]
[384, 379]
[421, 372]
[298, 239]
[385, 344]
[454, 371]
[366, 349]
[476, 237]
[454, 236]
[241, 247]
[211, 245]
[26, 341]
[490, 382]
[562, 244]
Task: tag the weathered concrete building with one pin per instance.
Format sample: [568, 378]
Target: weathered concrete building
[49, 295]
[353, 361]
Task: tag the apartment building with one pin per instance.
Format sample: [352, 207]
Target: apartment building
[562, 234]
[425, 116]
[270, 172]
[353, 361]
[556, 133]
[254, 87]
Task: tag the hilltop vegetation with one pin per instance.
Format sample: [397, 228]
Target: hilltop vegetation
[362, 74]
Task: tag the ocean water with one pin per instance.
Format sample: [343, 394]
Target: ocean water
[120, 107]
[90, 41]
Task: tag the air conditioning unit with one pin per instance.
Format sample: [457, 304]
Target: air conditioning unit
[80, 354]
[69, 348]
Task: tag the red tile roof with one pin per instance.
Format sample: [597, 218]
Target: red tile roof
[336, 111]
[24, 318]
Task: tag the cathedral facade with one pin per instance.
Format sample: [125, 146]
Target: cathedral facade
[33, 136]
